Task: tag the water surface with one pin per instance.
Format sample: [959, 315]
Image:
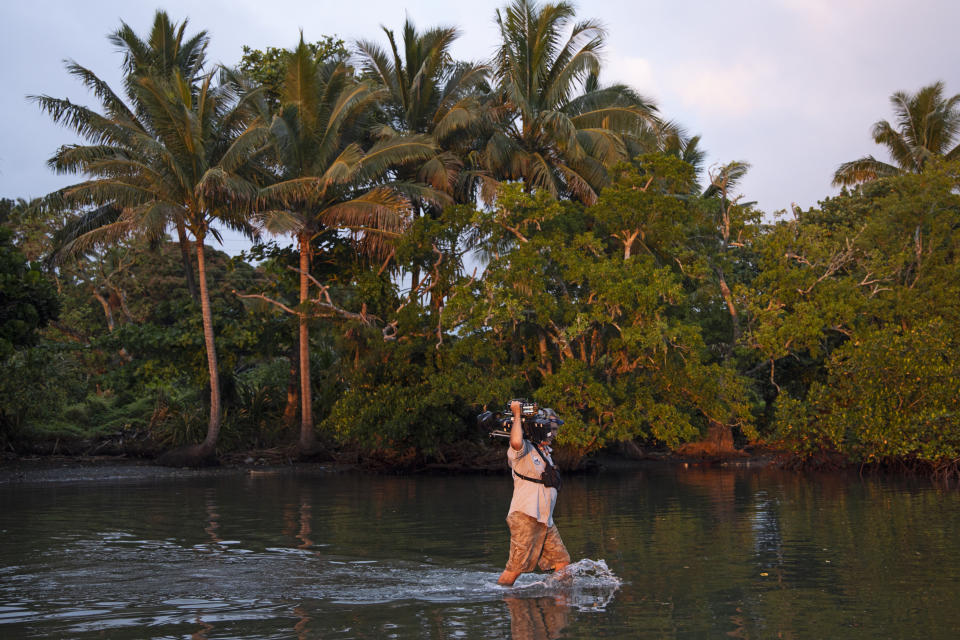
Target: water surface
[670, 552]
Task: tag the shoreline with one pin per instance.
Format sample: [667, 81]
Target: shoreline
[69, 469]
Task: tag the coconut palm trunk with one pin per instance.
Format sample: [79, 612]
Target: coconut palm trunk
[291, 409]
[209, 444]
[184, 243]
[307, 439]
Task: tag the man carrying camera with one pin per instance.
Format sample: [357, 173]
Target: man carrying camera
[534, 539]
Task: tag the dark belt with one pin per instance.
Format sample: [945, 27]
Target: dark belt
[523, 477]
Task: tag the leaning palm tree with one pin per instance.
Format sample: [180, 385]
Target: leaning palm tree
[560, 132]
[326, 180]
[186, 158]
[927, 126]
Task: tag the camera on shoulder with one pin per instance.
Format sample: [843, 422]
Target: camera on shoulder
[539, 424]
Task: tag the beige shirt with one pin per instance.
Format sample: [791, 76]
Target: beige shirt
[531, 498]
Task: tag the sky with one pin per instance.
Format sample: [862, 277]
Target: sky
[792, 87]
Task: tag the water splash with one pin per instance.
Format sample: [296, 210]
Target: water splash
[586, 585]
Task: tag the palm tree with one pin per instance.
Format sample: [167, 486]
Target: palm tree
[428, 93]
[182, 155]
[723, 181]
[431, 94]
[165, 50]
[326, 180]
[553, 137]
[927, 126]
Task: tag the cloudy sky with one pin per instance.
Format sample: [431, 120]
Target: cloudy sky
[790, 86]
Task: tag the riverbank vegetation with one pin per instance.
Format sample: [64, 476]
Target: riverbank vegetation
[430, 237]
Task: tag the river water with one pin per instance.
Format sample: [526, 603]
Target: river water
[664, 552]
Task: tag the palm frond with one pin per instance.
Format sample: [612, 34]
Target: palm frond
[280, 221]
[902, 150]
[224, 189]
[862, 170]
[575, 62]
[89, 124]
[416, 191]
[102, 191]
[111, 102]
[462, 80]
[387, 154]
[104, 227]
[592, 171]
[137, 53]
[619, 118]
[292, 193]
[603, 144]
[381, 209]
[953, 154]
[561, 132]
[344, 167]
[243, 147]
[463, 117]
[440, 171]
[400, 87]
[539, 174]
[375, 62]
[351, 101]
[725, 179]
[83, 223]
[578, 185]
[301, 87]
[501, 154]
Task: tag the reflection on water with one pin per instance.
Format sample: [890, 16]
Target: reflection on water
[212, 517]
[695, 552]
[538, 618]
[304, 534]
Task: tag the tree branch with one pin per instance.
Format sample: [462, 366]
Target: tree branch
[260, 296]
[513, 230]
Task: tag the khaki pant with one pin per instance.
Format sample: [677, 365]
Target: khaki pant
[532, 544]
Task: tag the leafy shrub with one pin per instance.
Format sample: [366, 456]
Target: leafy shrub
[890, 394]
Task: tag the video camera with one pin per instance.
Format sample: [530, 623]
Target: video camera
[539, 425]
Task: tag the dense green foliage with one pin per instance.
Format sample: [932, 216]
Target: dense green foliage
[863, 293]
[462, 234]
[28, 301]
[594, 306]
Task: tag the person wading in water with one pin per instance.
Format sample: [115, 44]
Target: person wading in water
[534, 539]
